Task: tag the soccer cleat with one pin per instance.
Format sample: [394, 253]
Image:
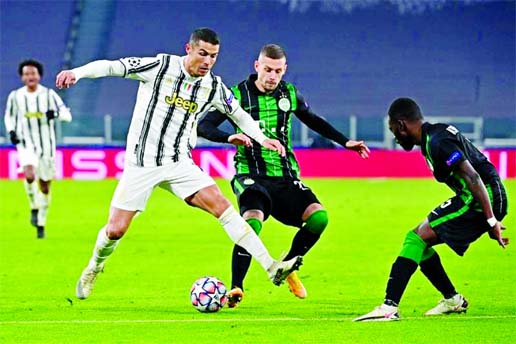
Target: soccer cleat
[295, 285]
[34, 217]
[235, 295]
[455, 304]
[381, 313]
[86, 282]
[279, 270]
[41, 232]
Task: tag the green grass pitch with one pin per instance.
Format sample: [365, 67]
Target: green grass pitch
[143, 295]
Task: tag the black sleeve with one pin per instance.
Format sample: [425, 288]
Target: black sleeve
[317, 123]
[448, 153]
[208, 127]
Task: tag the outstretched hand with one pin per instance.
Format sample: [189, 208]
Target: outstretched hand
[496, 234]
[274, 145]
[240, 140]
[359, 147]
[65, 79]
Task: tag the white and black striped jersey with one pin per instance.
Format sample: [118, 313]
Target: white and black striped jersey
[25, 114]
[168, 106]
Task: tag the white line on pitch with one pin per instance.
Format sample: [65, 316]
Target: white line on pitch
[230, 320]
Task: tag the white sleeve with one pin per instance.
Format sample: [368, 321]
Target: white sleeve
[225, 102]
[141, 68]
[99, 69]
[248, 125]
[11, 111]
[63, 113]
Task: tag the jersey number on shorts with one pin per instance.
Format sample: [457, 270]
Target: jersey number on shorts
[300, 185]
[445, 204]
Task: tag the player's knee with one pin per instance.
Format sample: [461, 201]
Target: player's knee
[255, 224]
[413, 247]
[220, 205]
[116, 228]
[44, 187]
[427, 254]
[317, 221]
[30, 177]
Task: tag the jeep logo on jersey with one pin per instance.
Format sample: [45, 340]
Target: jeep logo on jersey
[34, 114]
[182, 103]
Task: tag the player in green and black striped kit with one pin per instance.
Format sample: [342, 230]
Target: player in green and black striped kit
[267, 183]
[479, 204]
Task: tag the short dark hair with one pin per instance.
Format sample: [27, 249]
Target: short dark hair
[32, 63]
[273, 51]
[204, 34]
[405, 108]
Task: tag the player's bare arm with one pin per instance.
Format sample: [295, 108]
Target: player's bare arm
[65, 79]
[245, 122]
[479, 191]
[322, 127]
[240, 139]
[274, 145]
[360, 147]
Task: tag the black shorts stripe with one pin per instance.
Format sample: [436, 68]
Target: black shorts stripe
[143, 68]
[179, 136]
[140, 151]
[168, 118]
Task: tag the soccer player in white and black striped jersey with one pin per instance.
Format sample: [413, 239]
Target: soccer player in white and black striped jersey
[174, 92]
[29, 119]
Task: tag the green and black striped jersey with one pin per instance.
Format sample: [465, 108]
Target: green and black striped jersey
[274, 112]
[444, 148]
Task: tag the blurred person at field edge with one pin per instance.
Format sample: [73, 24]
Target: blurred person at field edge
[30, 116]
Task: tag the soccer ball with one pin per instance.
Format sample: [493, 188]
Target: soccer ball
[208, 294]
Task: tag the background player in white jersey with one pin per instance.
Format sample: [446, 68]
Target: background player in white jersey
[174, 92]
[29, 119]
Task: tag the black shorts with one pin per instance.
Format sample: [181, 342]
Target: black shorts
[460, 221]
[284, 199]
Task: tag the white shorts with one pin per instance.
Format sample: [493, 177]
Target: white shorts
[45, 166]
[183, 179]
[27, 156]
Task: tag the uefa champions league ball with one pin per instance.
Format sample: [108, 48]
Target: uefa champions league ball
[208, 294]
